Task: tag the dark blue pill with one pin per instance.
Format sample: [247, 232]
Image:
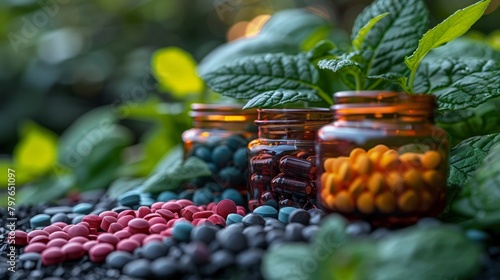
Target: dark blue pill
[309, 232]
[164, 268]
[300, 216]
[240, 158]
[202, 196]
[154, 250]
[221, 155]
[253, 219]
[357, 228]
[30, 256]
[235, 141]
[77, 219]
[59, 217]
[120, 209]
[186, 194]
[293, 232]
[275, 235]
[231, 177]
[199, 252]
[129, 199]
[203, 153]
[235, 242]
[119, 259]
[166, 196]
[222, 259]
[57, 209]
[205, 234]
[138, 268]
[250, 258]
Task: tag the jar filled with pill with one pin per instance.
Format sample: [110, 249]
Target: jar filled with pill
[282, 164]
[382, 159]
[219, 137]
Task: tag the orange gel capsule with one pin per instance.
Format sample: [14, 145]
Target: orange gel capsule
[338, 162]
[408, 201]
[328, 165]
[431, 159]
[411, 160]
[380, 148]
[385, 202]
[357, 186]
[426, 201]
[375, 182]
[353, 156]
[344, 202]
[366, 203]
[394, 181]
[363, 165]
[332, 183]
[433, 179]
[389, 160]
[344, 171]
[330, 201]
[413, 178]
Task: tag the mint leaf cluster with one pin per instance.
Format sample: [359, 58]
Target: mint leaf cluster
[389, 43]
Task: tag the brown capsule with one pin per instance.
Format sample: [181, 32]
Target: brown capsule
[297, 167]
[260, 182]
[263, 165]
[285, 185]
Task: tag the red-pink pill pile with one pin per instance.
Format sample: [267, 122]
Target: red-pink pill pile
[99, 235]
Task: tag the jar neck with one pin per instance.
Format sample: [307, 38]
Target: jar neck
[222, 116]
[383, 107]
[292, 124]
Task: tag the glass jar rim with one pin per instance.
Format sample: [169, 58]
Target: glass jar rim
[359, 102]
[289, 116]
[209, 112]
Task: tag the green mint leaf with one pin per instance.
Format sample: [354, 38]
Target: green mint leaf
[170, 178]
[357, 43]
[394, 37]
[462, 124]
[465, 47]
[459, 83]
[480, 199]
[466, 157]
[263, 43]
[407, 254]
[337, 65]
[278, 98]
[452, 27]
[251, 76]
[320, 49]
[285, 261]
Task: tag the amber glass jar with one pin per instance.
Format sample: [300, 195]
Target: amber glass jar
[382, 159]
[219, 137]
[282, 168]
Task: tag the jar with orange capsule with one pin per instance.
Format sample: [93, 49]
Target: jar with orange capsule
[382, 159]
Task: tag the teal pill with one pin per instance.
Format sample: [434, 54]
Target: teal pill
[166, 196]
[284, 213]
[130, 199]
[231, 177]
[234, 195]
[213, 187]
[202, 196]
[266, 211]
[77, 219]
[182, 231]
[233, 219]
[146, 202]
[40, 220]
[83, 208]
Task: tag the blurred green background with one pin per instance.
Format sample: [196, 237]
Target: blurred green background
[133, 60]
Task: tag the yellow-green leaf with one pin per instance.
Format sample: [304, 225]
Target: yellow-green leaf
[357, 43]
[36, 152]
[175, 70]
[453, 27]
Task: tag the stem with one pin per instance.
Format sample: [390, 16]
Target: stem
[375, 84]
[325, 96]
[358, 82]
[409, 89]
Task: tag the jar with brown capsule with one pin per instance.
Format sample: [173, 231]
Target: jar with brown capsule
[383, 159]
[282, 164]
